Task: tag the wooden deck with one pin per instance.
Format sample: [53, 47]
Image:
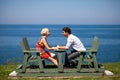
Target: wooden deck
[53, 72]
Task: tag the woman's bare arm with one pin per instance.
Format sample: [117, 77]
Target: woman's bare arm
[46, 45]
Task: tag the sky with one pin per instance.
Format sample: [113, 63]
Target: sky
[59, 11]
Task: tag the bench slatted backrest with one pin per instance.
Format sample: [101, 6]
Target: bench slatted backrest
[95, 43]
[25, 45]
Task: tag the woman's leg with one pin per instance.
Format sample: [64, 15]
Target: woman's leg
[53, 56]
[54, 61]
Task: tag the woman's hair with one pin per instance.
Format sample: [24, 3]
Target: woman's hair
[44, 31]
[67, 29]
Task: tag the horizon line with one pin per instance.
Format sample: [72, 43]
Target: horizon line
[56, 24]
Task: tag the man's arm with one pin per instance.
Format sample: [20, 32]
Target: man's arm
[62, 47]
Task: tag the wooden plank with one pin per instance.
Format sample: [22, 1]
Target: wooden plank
[55, 73]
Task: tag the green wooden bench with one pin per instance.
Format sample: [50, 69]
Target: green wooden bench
[90, 58]
[87, 57]
[29, 57]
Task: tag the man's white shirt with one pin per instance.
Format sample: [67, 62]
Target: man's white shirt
[75, 43]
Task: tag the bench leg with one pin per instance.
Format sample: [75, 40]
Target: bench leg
[95, 62]
[79, 63]
[40, 63]
[25, 63]
[60, 64]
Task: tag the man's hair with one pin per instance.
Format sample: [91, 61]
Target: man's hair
[67, 29]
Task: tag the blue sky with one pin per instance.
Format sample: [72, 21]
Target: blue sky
[59, 11]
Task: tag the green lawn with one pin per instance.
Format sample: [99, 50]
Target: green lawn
[114, 67]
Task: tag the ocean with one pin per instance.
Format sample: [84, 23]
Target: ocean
[11, 35]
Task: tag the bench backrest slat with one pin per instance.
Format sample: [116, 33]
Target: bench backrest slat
[25, 45]
[95, 43]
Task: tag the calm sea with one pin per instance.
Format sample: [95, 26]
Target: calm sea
[11, 35]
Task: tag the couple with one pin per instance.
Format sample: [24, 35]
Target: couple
[72, 41]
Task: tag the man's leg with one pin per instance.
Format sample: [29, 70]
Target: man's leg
[67, 62]
[71, 58]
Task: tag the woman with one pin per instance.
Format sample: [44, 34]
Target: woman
[42, 44]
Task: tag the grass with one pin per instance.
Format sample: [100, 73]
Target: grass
[114, 67]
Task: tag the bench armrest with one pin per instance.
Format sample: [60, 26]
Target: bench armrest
[90, 50]
[32, 50]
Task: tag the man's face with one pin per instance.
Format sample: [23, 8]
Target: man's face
[65, 33]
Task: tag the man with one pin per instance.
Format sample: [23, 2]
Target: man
[76, 45]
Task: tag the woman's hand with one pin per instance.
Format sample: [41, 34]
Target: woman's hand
[54, 48]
